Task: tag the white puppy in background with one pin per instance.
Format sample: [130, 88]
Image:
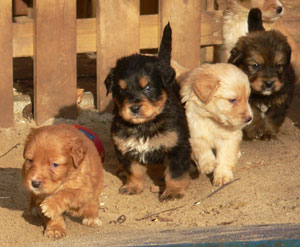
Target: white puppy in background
[216, 102]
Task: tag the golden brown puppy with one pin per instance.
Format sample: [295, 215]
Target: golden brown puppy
[63, 172]
[216, 102]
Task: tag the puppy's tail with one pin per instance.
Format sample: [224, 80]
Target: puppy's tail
[165, 49]
[255, 22]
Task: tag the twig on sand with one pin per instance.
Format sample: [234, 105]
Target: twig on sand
[158, 213]
[217, 190]
[15, 146]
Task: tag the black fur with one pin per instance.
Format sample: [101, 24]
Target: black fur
[265, 57]
[255, 22]
[160, 77]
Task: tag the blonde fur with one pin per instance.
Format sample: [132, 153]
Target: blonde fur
[216, 124]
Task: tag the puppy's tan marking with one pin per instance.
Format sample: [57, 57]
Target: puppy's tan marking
[175, 187]
[123, 84]
[143, 81]
[135, 180]
[148, 111]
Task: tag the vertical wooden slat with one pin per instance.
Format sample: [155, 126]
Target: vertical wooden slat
[117, 35]
[54, 59]
[6, 78]
[210, 49]
[184, 17]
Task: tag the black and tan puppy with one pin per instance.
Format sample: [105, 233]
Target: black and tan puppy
[149, 122]
[265, 57]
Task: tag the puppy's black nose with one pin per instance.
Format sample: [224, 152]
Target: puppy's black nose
[248, 119]
[269, 83]
[279, 10]
[135, 108]
[36, 184]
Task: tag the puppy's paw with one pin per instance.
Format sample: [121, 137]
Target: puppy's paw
[208, 167]
[169, 196]
[268, 137]
[222, 177]
[55, 232]
[51, 208]
[131, 189]
[92, 222]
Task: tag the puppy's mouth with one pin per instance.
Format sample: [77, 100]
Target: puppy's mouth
[266, 86]
[267, 91]
[141, 112]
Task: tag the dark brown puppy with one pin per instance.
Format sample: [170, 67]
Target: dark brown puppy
[265, 57]
[149, 122]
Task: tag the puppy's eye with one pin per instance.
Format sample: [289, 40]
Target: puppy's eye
[30, 161]
[232, 101]
[147, 89]
[255, 66]
[54, 165]
[122, 91]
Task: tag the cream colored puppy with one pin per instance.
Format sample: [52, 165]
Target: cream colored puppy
[216, 101]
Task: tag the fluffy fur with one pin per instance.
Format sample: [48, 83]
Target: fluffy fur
[149, 123]
[63, 172]
[216, 103]
[235, 25]
[265, 57]
[235, 22]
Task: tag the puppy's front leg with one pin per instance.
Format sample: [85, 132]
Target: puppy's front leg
[55, 228]
[176, 174]
[203, 156]
[135, 179]
[227, 156]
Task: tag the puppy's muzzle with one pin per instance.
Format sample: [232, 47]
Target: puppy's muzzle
[268, 86]
[36, 184]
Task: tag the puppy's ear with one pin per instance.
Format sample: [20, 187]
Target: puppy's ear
[205, 87]
[109, 81]
[255, 22]
[77, 151]
[236, 56]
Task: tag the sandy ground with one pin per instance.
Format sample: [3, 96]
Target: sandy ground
[266, 190]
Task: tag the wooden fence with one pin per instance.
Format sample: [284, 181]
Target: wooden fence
[54, 36]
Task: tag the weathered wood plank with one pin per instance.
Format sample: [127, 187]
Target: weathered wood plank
[187, 33]
[149, 32]
[117, 36]
[6, 72]
[54, 59]
[211, 33]
[211, 27]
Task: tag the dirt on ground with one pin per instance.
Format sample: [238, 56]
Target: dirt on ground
[266, 189]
